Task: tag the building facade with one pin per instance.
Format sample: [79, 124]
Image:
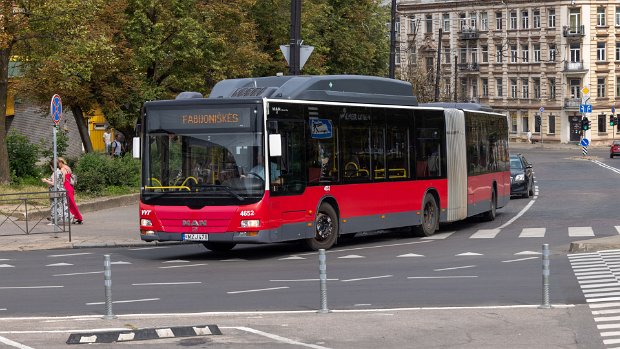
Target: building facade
[536, 61]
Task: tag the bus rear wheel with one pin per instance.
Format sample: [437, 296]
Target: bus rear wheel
[326, 229]
[430, 217]
[219, 246]
[490, 214]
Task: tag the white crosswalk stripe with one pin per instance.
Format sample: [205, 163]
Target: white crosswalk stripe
[485, 234]
[580, 231]
[532, 233]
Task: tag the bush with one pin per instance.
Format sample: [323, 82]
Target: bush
[62, 144]
[23, 156]
[97, 171]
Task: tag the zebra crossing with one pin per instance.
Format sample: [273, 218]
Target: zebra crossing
[576, 232]
[597, 274]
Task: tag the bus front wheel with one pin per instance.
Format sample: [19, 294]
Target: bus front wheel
[325, 229]
[430, 217]
[219, 246]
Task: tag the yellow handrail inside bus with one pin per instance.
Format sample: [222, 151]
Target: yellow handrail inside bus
[187, 179]
[155, 181]
[168, 187]
[392, 173]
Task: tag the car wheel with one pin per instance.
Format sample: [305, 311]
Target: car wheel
[430, 217]
[611, 156]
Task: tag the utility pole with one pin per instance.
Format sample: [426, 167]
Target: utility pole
[456, 75]
[295, 42]
[438, 70]
[393, 40]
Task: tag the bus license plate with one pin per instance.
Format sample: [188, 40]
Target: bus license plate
[196, 237]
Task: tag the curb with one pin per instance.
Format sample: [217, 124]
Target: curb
[594, 245]
[143, 334]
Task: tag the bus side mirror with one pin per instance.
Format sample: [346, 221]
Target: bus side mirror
[135, 150]
[275, 145]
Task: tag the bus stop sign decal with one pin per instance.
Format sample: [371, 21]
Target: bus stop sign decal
[321, 128]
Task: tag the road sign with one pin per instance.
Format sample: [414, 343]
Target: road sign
[56, 109]
[585, 90]
[542, 109]
[585, 108]
[613, 110]
[304, 53]
[585, 142]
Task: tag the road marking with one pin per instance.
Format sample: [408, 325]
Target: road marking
[608, 318]
[351, 256]
[176, 261]
[120, 262]
[521, 213]
[291, 258]
[485, 234]
[532, 233]
[84, 273]
[617, 228]
[439, 236]
[2, 309]
[369, 278]
[147, 248]
[580, 231]
[300, 280]
[183, 266]
[454, 268]
[167, 283]
[14, 344]
[234, 260]
[592, 273]
[615, 283]
[6, 266]
[258, 290]
[69, 254]
[607, 326]
[519, 260]
[606, 312]
[126, 301]
[410, 255]
[5, 259]
[27, 287]
[58, 265]
[366, 247]
[277, 338]
[525, 253]
[610, 279]
[442, 277]
[468, 254]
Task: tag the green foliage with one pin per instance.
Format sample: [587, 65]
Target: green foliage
[23, 156]
[96, 172]
[62, 144]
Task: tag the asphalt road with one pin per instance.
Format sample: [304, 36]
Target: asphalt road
[467, 264]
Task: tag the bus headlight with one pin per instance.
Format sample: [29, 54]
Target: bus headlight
[250, 223]
[146, 222]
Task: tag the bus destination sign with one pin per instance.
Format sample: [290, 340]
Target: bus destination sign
[185, 119]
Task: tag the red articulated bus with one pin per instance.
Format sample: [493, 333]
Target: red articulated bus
[345, 154]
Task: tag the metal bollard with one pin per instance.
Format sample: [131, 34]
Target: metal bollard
[323, 279]
[107, 277]
[545, 278]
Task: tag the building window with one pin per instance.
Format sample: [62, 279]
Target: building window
[446, 22]
[617, 51]
[484, 21]
[499, 87]
[474, 88]
[536, 19]
[397, 29]
[485, 54]
[536, 88]
[413, 27]
[537, 53]
[397, 55]
[473, 20]
[575, 52]
[462, 21]
[485, 87]
[525, 19]
[617, 16]
[429, 23]
[513, 122]
[574, 20]
[463, 92]
[525, 53]
[430, 66]
[600, 16]
[447, 54]
[513, 54]
[551, 18]
[413, 55]
[513, 88]
[446, 85]
[525, 89]
[463, 55]
[552, 52]
[498, 21]
[474, 55]
[536, 125]
[602, 123]
[551, 121]
[601, 87]
[618, 87]
[574, 88]
[513, 20]
[600, 51]
[498, 54]
[551, 88]
[525, 123]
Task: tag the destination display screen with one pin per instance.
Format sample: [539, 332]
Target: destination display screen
[199, 118]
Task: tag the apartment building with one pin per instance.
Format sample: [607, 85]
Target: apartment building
[536, 61]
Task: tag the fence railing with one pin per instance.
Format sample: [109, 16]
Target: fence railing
[31, 213]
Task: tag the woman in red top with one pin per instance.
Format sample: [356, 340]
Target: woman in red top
[66, 171]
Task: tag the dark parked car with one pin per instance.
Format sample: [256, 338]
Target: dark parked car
[521, 176]
[614, 149]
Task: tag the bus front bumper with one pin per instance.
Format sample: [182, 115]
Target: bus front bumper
[255, 237]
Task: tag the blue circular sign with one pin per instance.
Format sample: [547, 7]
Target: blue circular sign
[585, 142]
[613, 110]
[542, 109]
[56, 108]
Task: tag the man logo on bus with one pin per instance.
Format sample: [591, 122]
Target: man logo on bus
[194, 223]
[321, 128]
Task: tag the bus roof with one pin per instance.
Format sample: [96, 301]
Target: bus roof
[329, 88]
[460, 105]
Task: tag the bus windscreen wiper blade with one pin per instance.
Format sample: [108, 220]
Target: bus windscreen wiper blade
[225, 187]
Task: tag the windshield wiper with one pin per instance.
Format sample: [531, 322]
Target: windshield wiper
[219, 186]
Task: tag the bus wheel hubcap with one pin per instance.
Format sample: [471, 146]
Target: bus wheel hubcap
[323, 226]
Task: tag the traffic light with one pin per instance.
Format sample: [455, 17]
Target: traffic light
[538, 120]
[615, 120]
[611, 120]
[585, 124]
[588, 124]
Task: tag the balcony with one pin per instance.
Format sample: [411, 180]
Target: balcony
[469, 67]
[573, 32]
[574, 67]
[572, 103]
[469, 34]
